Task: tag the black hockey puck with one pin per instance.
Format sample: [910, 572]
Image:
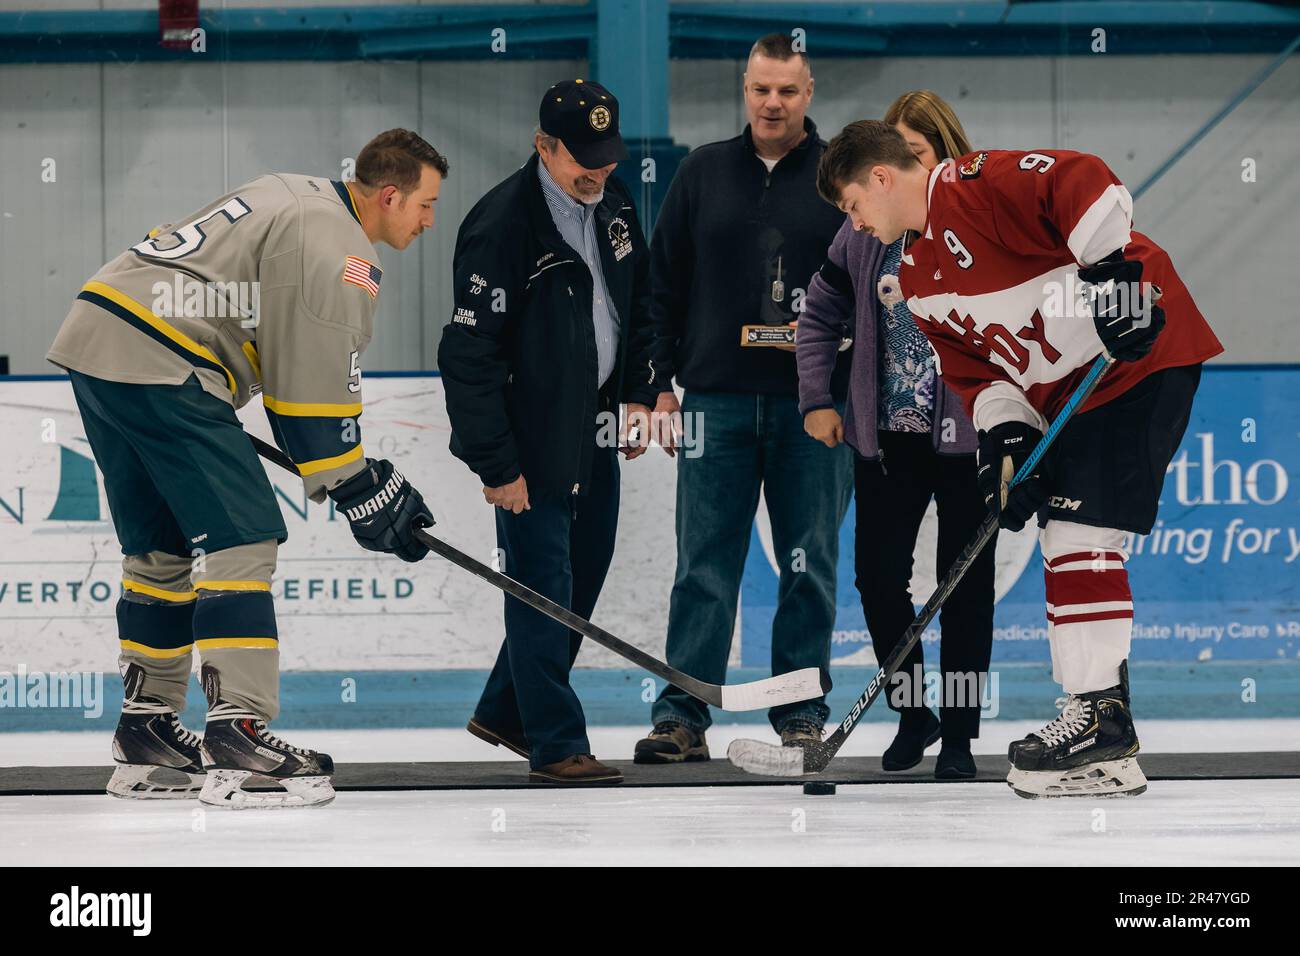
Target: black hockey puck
[819, 789]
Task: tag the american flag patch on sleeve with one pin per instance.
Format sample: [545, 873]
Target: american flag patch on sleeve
[362, 273]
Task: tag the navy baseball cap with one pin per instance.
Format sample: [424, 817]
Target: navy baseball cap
[584, 116]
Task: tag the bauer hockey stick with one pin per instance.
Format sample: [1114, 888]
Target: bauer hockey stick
[756, 695]
[773, 760]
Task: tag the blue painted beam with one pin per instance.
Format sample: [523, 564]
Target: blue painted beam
[630, 57]
[696, 30]
[308, 33]
[988, 28]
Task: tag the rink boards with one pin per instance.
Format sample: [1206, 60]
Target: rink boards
[1216, 580]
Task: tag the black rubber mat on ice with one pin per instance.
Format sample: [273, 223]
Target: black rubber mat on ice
[478, 775]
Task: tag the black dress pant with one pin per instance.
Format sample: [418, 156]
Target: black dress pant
[891, 497]
[561, 548]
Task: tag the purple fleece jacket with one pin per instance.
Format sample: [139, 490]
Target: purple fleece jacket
[841, 301]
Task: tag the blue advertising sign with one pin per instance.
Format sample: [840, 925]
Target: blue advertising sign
[1218, 577]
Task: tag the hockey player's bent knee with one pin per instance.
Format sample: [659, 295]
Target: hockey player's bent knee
[155, 617]
[234, 624]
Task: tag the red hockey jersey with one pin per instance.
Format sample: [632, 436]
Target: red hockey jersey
[993, 281]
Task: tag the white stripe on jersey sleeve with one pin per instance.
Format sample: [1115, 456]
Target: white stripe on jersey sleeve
[1105, 227]
[1003, 402]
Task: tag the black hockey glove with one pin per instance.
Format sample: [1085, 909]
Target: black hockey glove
[1003, 449]
[384, 510]
[1123, 309]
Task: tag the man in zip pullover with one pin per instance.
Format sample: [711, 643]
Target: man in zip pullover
[740, 235]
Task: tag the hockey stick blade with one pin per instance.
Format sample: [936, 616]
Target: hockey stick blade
[773, 760]
[770, 692]
[773, 691]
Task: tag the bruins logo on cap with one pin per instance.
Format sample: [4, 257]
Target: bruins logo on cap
[599, 118]
[970, 170]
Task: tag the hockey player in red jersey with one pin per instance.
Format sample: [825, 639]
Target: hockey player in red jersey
[1025, 267]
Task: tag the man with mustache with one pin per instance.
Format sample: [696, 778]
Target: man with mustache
[550, 335]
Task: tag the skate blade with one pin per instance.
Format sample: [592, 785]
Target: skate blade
[224, 789]
[134, 781]
[1110, 778]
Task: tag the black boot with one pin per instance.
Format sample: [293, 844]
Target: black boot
[917, 729]
[955, 761]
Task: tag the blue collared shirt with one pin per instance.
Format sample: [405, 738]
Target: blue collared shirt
[576, 222]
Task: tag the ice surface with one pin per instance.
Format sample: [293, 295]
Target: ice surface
[1201, 823]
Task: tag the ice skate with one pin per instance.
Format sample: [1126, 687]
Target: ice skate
[1088, 750]
[238, 751]
[157, 758]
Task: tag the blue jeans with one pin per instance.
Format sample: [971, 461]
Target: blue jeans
[561, 548]
[750, 441]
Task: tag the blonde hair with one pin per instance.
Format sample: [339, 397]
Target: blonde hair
[926, 112]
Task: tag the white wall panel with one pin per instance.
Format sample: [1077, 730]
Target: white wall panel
[51, 233]
[138, 144]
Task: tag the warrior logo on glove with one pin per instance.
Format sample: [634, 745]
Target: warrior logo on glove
[374, 505]
[384, 510]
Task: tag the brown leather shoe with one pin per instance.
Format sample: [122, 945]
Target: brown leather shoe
[578, 770]
[513, 742]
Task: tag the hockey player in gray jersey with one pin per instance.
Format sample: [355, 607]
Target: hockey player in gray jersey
[270, 290]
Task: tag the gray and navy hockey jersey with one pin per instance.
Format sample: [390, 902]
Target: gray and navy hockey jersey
[270, 289]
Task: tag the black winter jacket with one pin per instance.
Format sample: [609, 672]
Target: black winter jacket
[518, 358]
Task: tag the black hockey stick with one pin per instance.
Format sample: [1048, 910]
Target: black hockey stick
[773, 760]
[756, 695]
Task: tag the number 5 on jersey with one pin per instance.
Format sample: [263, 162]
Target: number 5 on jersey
[190, 237]
[354, 374]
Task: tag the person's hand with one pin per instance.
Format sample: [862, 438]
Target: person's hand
[825, 425]
[1124, 309]
[1003, 449]
[512, 497]
[634, 436]
[383, 510]
[666, 422]
[791, 347]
